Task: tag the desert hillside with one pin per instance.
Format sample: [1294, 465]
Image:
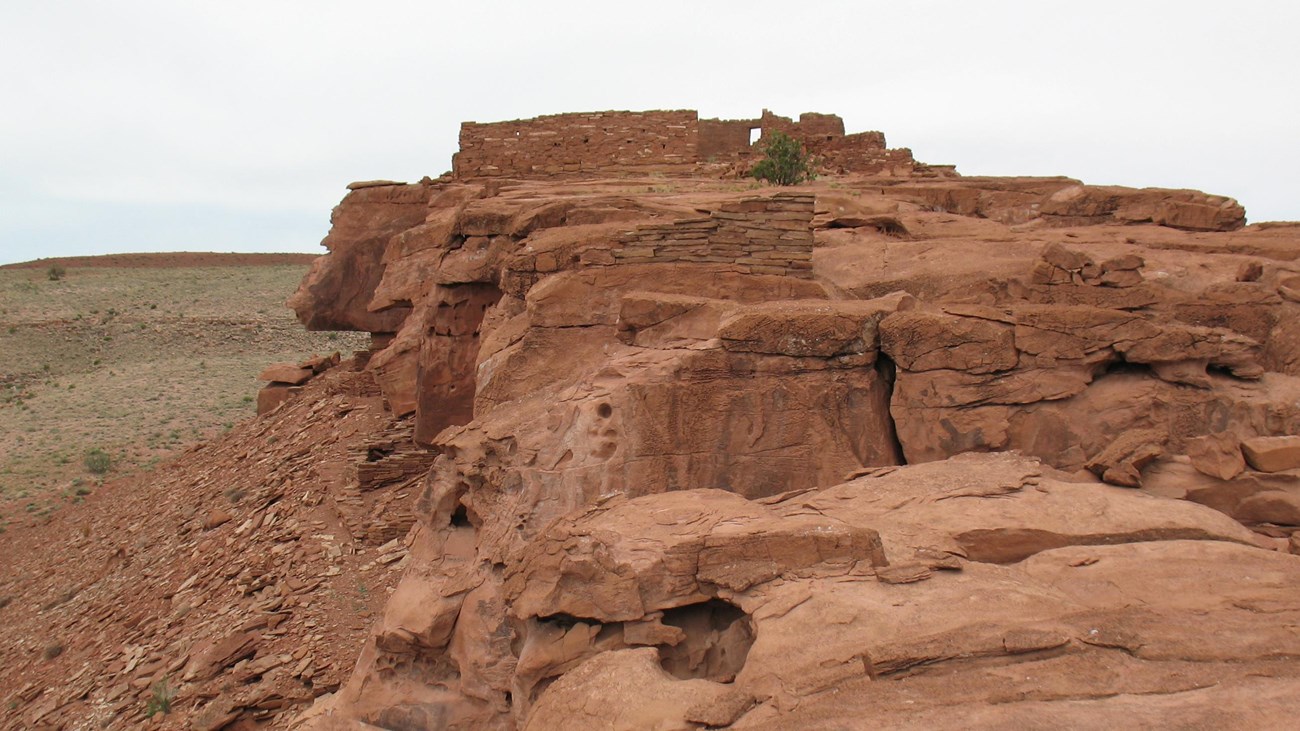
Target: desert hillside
[637, 442]
[129, 359]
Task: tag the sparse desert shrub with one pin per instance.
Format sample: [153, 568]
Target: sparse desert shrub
[98, 461]
[55, 272]
[784, 161]
[161, 700]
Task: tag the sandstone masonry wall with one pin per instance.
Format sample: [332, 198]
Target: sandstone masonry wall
[811, 128]
[865, 152]
[577, 143]
[663, 142]
[724, 138]
[762, 235]
[823, 137]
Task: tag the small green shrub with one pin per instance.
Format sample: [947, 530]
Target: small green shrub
[784, 161]
[55, 272]
[98, 461]
[161, 700]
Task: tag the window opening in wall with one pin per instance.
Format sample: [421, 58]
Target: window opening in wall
[754, 134]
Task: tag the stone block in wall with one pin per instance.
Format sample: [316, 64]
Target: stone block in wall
[791, 206]
[746, 205]
[726, 216]
[686, 235]
[777, 254]
[787, 225]
[633, 251]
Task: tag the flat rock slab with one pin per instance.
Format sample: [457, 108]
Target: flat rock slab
[1272, 454]
[289, 373]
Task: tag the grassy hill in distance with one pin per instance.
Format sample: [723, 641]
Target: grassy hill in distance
[134, 356]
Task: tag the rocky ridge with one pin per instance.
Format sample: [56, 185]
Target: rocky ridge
[1005, 453]
[693, 493]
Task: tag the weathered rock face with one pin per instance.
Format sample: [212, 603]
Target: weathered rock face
[726, 459]
[338, 291]
[700, 607]
[1064, 202]
[1065, 365]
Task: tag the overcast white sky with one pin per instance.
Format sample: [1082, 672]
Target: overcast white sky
[137, 125]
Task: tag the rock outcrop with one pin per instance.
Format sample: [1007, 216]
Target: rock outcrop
[637, 446]
[733, 459]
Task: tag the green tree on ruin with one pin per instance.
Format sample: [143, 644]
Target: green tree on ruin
[784, 161]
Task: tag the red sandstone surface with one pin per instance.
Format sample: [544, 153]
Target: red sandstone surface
[650, 448]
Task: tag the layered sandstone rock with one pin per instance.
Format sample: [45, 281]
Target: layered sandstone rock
[680, 453]
[1056, 202]
[667, 433]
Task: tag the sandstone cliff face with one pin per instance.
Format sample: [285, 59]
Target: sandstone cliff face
[674, 490]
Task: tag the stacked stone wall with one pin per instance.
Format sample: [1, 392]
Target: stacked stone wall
[812, 129]
[822, 135]
[762, 235]
[666, 142]
[722, 139]
[865, 152]
[609, 142]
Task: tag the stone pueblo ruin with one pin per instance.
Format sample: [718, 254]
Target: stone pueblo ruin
[640, 443]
